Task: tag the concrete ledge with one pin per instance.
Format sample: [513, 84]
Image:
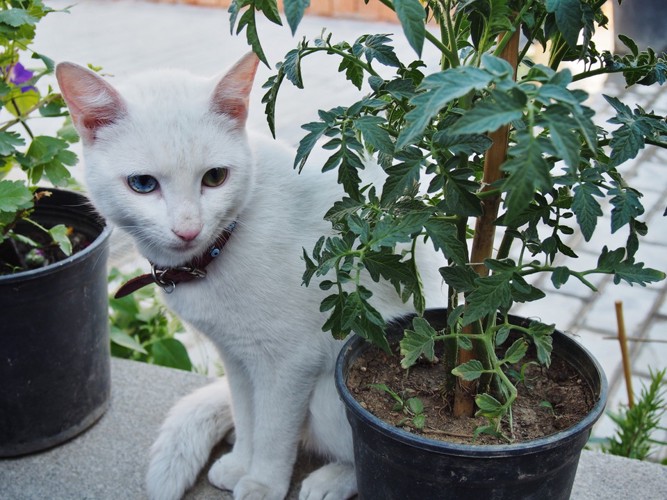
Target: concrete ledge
[109, 460]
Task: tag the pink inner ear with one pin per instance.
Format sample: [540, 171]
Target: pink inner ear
[231, 95]
[92, 102]
[92, 123]
[234, 107]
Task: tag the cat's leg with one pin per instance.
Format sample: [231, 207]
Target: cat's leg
[226, 472]
[192, 427]
[281, 403]
[328, 434]
[333, 481]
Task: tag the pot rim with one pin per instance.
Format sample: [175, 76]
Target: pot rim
[68, 261]
[354, 343]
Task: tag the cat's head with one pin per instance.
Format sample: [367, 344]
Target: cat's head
[166, 153]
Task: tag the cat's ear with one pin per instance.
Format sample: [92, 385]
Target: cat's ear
[93, 103]
[231, 95]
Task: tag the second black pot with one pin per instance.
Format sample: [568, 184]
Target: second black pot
[393, 464]
[54, 342]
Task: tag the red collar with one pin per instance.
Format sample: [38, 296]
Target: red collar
[168, 277]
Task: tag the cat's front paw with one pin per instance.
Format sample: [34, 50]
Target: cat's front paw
[249, 488]
[226, 472]
[334, 481]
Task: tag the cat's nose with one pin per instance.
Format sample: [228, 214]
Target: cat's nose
[186, 234]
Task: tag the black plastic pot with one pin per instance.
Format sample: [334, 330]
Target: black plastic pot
[54, 342]
[393, 464]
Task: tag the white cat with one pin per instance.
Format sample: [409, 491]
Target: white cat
[168, 160]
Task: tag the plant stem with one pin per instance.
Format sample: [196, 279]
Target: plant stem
[482, 246]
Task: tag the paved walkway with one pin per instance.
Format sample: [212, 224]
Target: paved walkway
[108, 462]
[128, 36]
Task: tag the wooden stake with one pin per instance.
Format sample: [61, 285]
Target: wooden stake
[623, 341]
[485, 230]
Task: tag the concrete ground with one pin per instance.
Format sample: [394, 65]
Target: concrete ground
[108, 462]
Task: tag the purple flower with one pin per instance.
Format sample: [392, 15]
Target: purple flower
[18, 75]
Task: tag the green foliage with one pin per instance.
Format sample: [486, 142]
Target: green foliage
[37, 158]
[636, 425]
[413, 408]
[431, 134]
[142, 329]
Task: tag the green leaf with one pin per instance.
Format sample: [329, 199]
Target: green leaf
[415, 405]
[635, 273]
[14, 196]
[22, 103]
[625, 143]
[417, 342]
[499, 67]
[524, 292]
[376, 47]
[270, 10]
[460, 278]
[569, 18]
[630, 137]
[493, 293]
[291, 66]
[611, 262]
[516, 352]
[401, 179]
[489, 406]
[16, 17]
[626, 206]
[50, 156]
[306, 145]
[586, 207]
[529, 172]
[559, 276]
[248, 22]
[342, 209]
[171, 353]
[353, 71]
[502, 334]
[629, 43]
[49, 63]
[460, 195]
[562, 137]
[294, 10]
[119, 337]
[465, 144]
[490, 114]
[411, 14]
[67, 132]
[444, 235]
[384, 388]
[389, 231]
[374, 134]
[60, 236]
[541, 336]
[440, 89]
[8, 141]
[388, 266]
[470, 370]
[419, 421]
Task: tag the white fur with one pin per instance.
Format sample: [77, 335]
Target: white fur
[252, 305]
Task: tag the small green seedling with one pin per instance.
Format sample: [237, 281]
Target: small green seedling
[412, 407]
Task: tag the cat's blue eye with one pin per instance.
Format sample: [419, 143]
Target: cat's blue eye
[214, 177]
[142, 184]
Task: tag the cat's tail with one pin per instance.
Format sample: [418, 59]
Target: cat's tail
[192, 428]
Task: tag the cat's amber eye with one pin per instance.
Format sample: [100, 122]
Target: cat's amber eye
[214, 177]
[142, 184]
